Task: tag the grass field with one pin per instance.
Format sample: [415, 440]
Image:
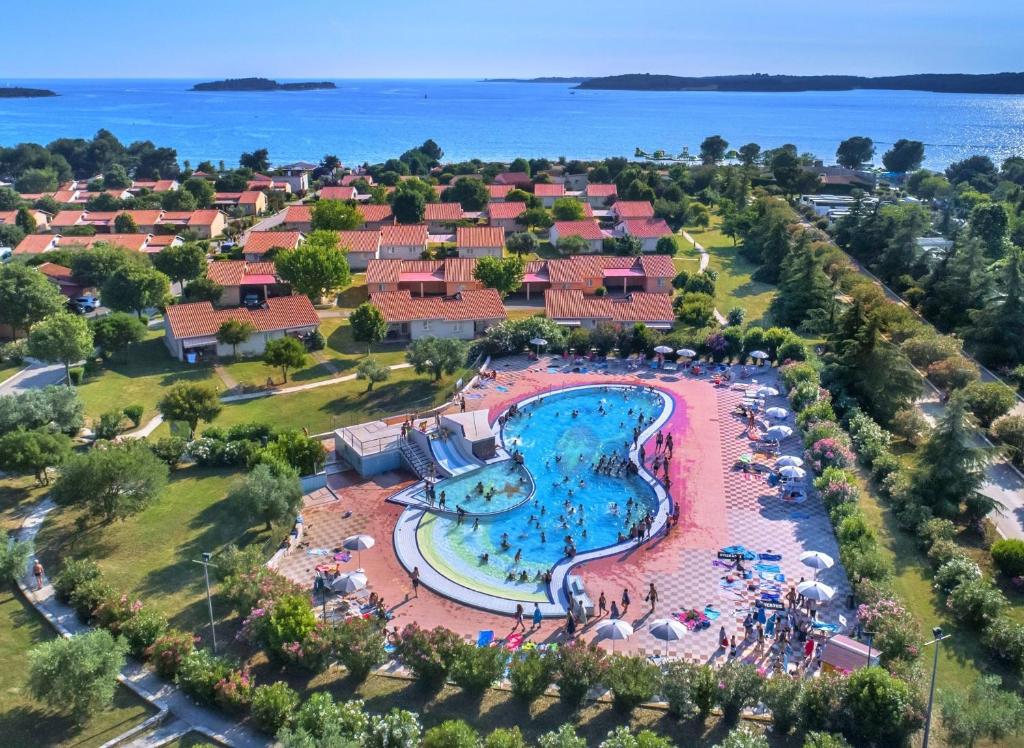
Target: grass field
[8, 370]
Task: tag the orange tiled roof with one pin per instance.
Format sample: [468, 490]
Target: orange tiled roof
[360, 241]
[633, 209]
[647, 228]
[298, 214]
[589, 230]
[404, 235]
[375, 213]
[233, 272]
[451, 270]
[499, 191]
[249, 197]
[55, 271]
[480, 236]
[67, 218]
[280, 313]
[338, 193]
[203, 217]
[401, 306]
[261, 242]
[602, 190]
[637, 307]
[549, 190]
[34, 244]
[442, 212]
[505, 211]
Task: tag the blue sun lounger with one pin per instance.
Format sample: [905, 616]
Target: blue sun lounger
[485, 638]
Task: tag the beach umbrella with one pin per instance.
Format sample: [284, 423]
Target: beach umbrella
[767, 392]
[614, 629]
[792, 472]
[662, 349]
[777, 412]
[815, 590]
[358, 543]
[787, 460]
[816, 560]
[777, 433]
[667, 629]
[538, 342]
[758, 355]
[349, 582]
[686, 353]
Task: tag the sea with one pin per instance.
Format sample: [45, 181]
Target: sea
[373, 120]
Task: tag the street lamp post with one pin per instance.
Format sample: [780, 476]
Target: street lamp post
[939, 636]
[209, 599]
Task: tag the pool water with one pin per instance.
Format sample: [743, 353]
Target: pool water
[559, 450]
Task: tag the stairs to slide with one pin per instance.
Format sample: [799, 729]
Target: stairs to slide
[418, 462]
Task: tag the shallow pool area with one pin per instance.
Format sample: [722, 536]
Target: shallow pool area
[504, 545]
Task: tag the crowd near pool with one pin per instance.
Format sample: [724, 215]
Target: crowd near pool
[560, 439]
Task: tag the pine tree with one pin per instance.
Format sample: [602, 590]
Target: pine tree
[998, 328]
[803, 286]
[949, 470]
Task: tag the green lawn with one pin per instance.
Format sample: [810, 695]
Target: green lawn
[17, 494]
[8, 370]
[151, 554]
[355, 294]
[26, 722]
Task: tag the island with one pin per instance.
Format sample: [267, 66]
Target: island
[260, 84]
[990, 83]
[19, 92]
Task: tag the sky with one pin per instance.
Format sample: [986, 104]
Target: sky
[212, 39]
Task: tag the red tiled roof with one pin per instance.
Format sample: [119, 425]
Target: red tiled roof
[67, 218]
[56, 272]
[401, 306]
[549, 190]
[589, 230]
[587, 210]
[298, 214]
[451, 270]
[200, 318]
[583, 267]
[34, 244]
[633, 209]
[520, 178]
[233, 272]
[350, 178]
[637, 307]
[480, 236]
[375, 213]
[657, 266]
[383, 271]
[338, 193]
[249, 197]
[647, 228]
[261, 242]
[442, 212]
[143, 217]
[602, 190]
[505, 211]
[404, 235]
[499, 191]
[203, 217]
[360, 241]
[64, 196]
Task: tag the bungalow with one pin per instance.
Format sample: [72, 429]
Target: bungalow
[146, 221]
[274, 184]
[629, 209]
[249, 202]
[239, 279]
[35, 244]
[337, 193]
[575, 309]
[60, 276]
[42, 218]
[259, 243]
[505, 215]
[480, 241]
[403, 241]
[599, 195]
[586, 229]
[517, 179]
[548, 193]
[376, 216]
[440, 217]
[422, 277]
[298, 218]
[588, 273]
[190, 330]
[348, 179]
[205, 224]
[82, 196]
[464, 315]
[153, 185]
[362, 247]
[499, 192]
[647, 230]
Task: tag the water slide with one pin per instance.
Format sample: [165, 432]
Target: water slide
[451, 458]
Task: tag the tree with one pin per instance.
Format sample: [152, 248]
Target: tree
[713, 148]
[93, 268]
[36, 180]
[116, 331]
[855, 152]
[905, 155]
[987, 401]
[285, 353]
[190, 402]
[368, 325]
[572, 245]
[949, 470]
[14, 556]
[33, 452]
[985, 711]
[9, 199]
[26, 296]
[786, 169]
[234, 332]
[504, 275]
[316, 267]
[567, 209]
[749, 153]
[182, 200]
[52, 407]
[135, 288]
[666, 246]
[990, 223]
[112, 482]
[267, 496]
[182, 262]
[408, 207]
[202, 190]
[335, 215]
[978, 171]
[25, 221]
[522, 242]
[535, 218]
[436, 355]
[881, 708]
[372, 371]
[471, 193]
[62, 338]
[998, 326]
[804, 289]
[203, 289]
[258, 160]
[79, 674]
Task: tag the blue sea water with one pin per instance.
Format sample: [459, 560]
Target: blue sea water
[372, 120]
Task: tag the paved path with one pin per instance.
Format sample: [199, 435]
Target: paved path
[35, 375]
[705, 258]
[164, 696]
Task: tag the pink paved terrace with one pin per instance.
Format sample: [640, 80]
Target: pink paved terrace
[718, 505]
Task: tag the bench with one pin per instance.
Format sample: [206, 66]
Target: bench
[578, 591]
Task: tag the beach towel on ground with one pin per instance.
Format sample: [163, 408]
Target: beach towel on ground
[771, 568]
[769, 556]
[317, 551]
[711, 613]
[768, 576]
[514, 642]
[822, 626]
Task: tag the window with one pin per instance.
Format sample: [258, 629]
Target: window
[380, 286]
[457, 326]
[661, 281]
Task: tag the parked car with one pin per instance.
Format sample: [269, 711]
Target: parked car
[252, 300]
[89, 303]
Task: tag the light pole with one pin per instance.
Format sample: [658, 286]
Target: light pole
[937, 633]
[209, 600]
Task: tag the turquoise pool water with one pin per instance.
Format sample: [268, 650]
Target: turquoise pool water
[561, 438]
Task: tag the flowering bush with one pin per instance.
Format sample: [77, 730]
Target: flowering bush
[826, 453]
[797, 373]
[804, 394]
[359, 644]
[739, 686]
[977, 602]
[114, 610]
[825, 430]
[836, 486]
[870, 439]
[247, 580]
[716, 345]
[579, 667]
[1006, 639]
[428, 654]
[690, 688]
[142, 630]
[782, 696]
[819, 410]
[199, 674]
[233, 692]
[75, 572]
[314, 652]
[205, 451]
[956, 571]
[168, 651]
[396, 729]
[896, 633]
[530, 673]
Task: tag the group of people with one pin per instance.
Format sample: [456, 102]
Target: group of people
[782, 637]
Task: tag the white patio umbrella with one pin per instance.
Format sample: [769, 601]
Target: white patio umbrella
[787, 460]
[758, 355]
[538, 342]
[662, 349]
[358, 543]
[767, 392]
[667, 629]
[777, 412]
[815, 590]
[686, 353]
[349, 582]
[615, 629]
[777, 433]
[792, 472]
[816, 560]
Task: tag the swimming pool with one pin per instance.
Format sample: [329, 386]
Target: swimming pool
[560, 437]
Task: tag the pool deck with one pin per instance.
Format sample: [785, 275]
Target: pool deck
[718, 507]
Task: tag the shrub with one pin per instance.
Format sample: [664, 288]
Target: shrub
[836, 486]
[909, 424]
[621, 737]
[819, 410]
[530, 674]
[87, 596]
[169, 450]
[820, 430]
[134, 414]
[880, 709]
[804, 394]
[936, 529]
[956, 571]
[15, 351]
[359, 646]
[689, 689]
[829, 452]
[1008, 556]
[564, 737]
[739, 686]
[735, 316]
[632, 680]
[76, 374]
[792, 349]
[321, 716]
[743, 737]
[428, 654]
[977, 602]
[885, 465]
[233, 692]
[825, 740]
[953, 373]
[199, 672]
[782, 696]
[1009, 431]
[109, 425]
[290, 620]
[870, 439]
[113, 610]
[74, 573]
[142, 630]
[79, 674]
[453, 733]
[168, 651]
[943, 550]
[1006, 640]
[505, 737]
[821, 702]
[396, 729]
[273, 706]
[475, 668]
[987, 400]
[316, 341]
[579, 667]
[793, 374]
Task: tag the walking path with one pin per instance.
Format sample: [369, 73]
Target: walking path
[705, 259]
[166, 697]
[33, 376]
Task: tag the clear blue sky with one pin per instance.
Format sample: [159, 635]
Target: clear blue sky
[463, 39]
